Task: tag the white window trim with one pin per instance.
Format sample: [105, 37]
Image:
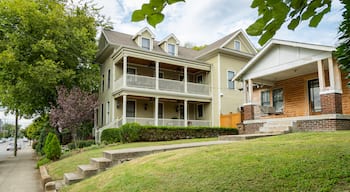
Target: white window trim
[234, 45]
[175, 49]
[150, 43]
[234, 82]
[198, 111]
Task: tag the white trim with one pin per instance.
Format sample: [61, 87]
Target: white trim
[241, 31]
[273, 42]
[219, 86]
[234, 45]
[331, 91]
[227, 79]
[166, 39]
[142, 31]
[150, 43]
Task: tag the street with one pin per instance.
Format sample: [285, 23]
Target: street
[18, 173]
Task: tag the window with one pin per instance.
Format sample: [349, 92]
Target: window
[277, 95]
[109, 79]
[161, 75]
[200, 110]
[314, 95]
[237, 45]
[160, 111]
[181, 77]
[171, 49]
[103, 83]
[146, 43]
[107, 113]
[102, 111]
[130, 109]
[131, 71]
[265, 98]
[230, 83]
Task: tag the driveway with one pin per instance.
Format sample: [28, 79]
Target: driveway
[18, 174]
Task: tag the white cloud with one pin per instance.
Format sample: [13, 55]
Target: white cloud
[204, 21]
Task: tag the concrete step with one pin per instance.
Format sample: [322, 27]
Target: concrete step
[70, 178]
[87, 170]
[101, 163]
[274, 128]
[246, 136]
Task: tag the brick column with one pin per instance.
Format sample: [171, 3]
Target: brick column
[248, 112]
[331, 103]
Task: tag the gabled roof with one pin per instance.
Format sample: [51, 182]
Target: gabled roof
[274, 42]
[168, 37]
[221, 43]
[142, 31]
[121, 39]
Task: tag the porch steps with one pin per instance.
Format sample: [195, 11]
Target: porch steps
[247, 136]
[115, 157]
[276, 126]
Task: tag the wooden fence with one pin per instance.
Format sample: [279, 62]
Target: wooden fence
[230, 120]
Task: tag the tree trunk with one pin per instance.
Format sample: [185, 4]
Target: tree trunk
[16, 133]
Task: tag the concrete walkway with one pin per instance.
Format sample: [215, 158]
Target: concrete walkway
[18, 174]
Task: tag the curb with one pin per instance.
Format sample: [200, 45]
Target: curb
[44, 177]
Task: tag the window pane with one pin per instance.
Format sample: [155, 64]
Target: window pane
[237, 45]
[278, 100]
[146, 44]
[171, 49]
[230, 83]
[265, 98]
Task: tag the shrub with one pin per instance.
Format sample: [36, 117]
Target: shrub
[47, 141]
[110, 136]
[42, 161]
[130, 132]
[81, 144]
[134, 132]
[53, 148]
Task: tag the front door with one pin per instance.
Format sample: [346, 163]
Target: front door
[314, 97]
[130, 109]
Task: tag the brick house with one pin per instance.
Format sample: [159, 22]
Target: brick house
[294, 86]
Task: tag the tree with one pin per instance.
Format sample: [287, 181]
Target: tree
[44, 44]
[52, 147]
[75, 108]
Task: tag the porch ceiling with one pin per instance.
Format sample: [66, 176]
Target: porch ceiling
[290, 73]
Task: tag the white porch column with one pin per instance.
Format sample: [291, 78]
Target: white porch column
[125, 69]
[156, 104]
[185, 78]
[124, 109]
[250, 91]
[185, 113]
[245, 91]
[337, 76]
[157, 76]
[321, 76]
[331, 73]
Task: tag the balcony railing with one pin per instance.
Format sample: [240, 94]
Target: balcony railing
[145, 82]
[161, 122]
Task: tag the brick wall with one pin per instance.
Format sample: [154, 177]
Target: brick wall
[251, 128]
[248, 112]
[323, 125]
[331, 103]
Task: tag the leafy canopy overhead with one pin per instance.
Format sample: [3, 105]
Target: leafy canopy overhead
[45, 44]
[152, 11]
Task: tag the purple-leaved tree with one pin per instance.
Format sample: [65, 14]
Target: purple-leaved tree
[74, 107]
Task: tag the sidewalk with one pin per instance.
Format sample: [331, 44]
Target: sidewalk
[18, 174]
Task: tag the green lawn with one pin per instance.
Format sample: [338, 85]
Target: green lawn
[69, 164]
[292, 162]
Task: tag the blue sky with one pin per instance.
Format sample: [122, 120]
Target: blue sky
[204, 21]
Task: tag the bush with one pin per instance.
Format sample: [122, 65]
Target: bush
[129, 132]
[42, 161]
[53, 147]
[81, 144]
[134, 132]
[110, 136]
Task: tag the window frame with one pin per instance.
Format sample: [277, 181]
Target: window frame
[229, 80]
[171, 45]
[262, 102]
[235, 43]
[281, 100]
[142, 43]
[109, 79]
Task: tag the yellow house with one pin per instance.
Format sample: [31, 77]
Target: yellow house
[162, 83]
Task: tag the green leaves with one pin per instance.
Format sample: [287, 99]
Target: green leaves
[274, 13]
[152, 11]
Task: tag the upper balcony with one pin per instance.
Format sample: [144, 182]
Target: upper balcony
[161, 77]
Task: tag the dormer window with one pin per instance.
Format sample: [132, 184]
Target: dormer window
[146, 43]
[171, 49]
[237, 45]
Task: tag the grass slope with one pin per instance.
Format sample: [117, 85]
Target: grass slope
[293, 162]
[58, 168]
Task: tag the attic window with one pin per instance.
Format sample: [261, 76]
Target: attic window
[237, 45]
[171, 49]
[146, 43]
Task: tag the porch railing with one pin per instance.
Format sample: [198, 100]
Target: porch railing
[145, 82]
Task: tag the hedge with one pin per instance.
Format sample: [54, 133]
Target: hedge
[134, 132]
[81, 144]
